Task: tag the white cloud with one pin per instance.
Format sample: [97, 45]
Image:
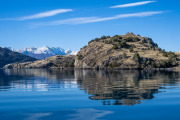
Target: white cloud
[132, 4]
[83, 20]
[41, 15]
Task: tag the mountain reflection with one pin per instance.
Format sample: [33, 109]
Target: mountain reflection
[36, 79]
[122, 87]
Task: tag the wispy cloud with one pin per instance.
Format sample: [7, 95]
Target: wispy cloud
[41, 15]
[83, 20]
[132, 4]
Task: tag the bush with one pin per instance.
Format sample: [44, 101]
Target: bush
[113, 64]
[116, 36]
[94, 40]
[123, 43]
[132, 39]
[103, 37]
[124, 55]
[115, 47]
[131, 49]
[153, 48]
[129, 39]
[155, 45]
[136, 39]
[165, 63]
[148, 62]
[172, 62]
[90, 41]
[172, 58]
[83, 47]
[136, 57]
[171, 55]
[71, 64]
[134, 46]
[114, 39]
[165, 54]
[108, 36]
[120, 37]
[79, 57]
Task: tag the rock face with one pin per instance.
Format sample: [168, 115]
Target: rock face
[125, 52]
[59, 61]
[7, 56]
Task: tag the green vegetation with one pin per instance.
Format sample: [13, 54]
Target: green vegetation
[94, 40]
[71, 64]
[79, 57]
[115, 47]
[114, 39]
[99, 39]
[104, 37]
[131, 49]
[123, 44]
[171, 56]
[148, 62]
[166, 64]
[132, 39]
[141, 43]
[153, 48]
[124, 55]
[134, 46]
[136, 57]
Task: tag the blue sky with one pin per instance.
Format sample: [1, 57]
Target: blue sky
[70, 24]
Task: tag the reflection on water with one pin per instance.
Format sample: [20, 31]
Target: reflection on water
[36, 80]
[89, 95]
[112, 87]
[124, 87]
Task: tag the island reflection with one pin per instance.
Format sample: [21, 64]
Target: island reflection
[124, 87]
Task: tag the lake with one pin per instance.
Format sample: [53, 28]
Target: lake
[41, 94]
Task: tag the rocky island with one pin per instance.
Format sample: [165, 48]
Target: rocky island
[127, 51]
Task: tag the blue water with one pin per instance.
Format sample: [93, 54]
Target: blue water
[89, 95]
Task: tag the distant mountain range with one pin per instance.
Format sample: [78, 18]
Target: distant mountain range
[44, 52]
[7, 56]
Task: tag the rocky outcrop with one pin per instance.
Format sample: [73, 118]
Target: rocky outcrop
[7, 56]
[124, 52]
[51, 62]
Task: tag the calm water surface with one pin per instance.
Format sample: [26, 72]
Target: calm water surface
[89, 95]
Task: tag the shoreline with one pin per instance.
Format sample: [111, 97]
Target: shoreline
[108, 69]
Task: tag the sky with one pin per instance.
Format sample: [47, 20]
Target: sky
[71, 24]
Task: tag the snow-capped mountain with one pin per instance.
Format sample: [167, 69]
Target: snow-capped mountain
[70, 52]
[44, 52]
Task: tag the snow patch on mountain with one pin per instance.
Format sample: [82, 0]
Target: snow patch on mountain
[44, 52]
[70, 52]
